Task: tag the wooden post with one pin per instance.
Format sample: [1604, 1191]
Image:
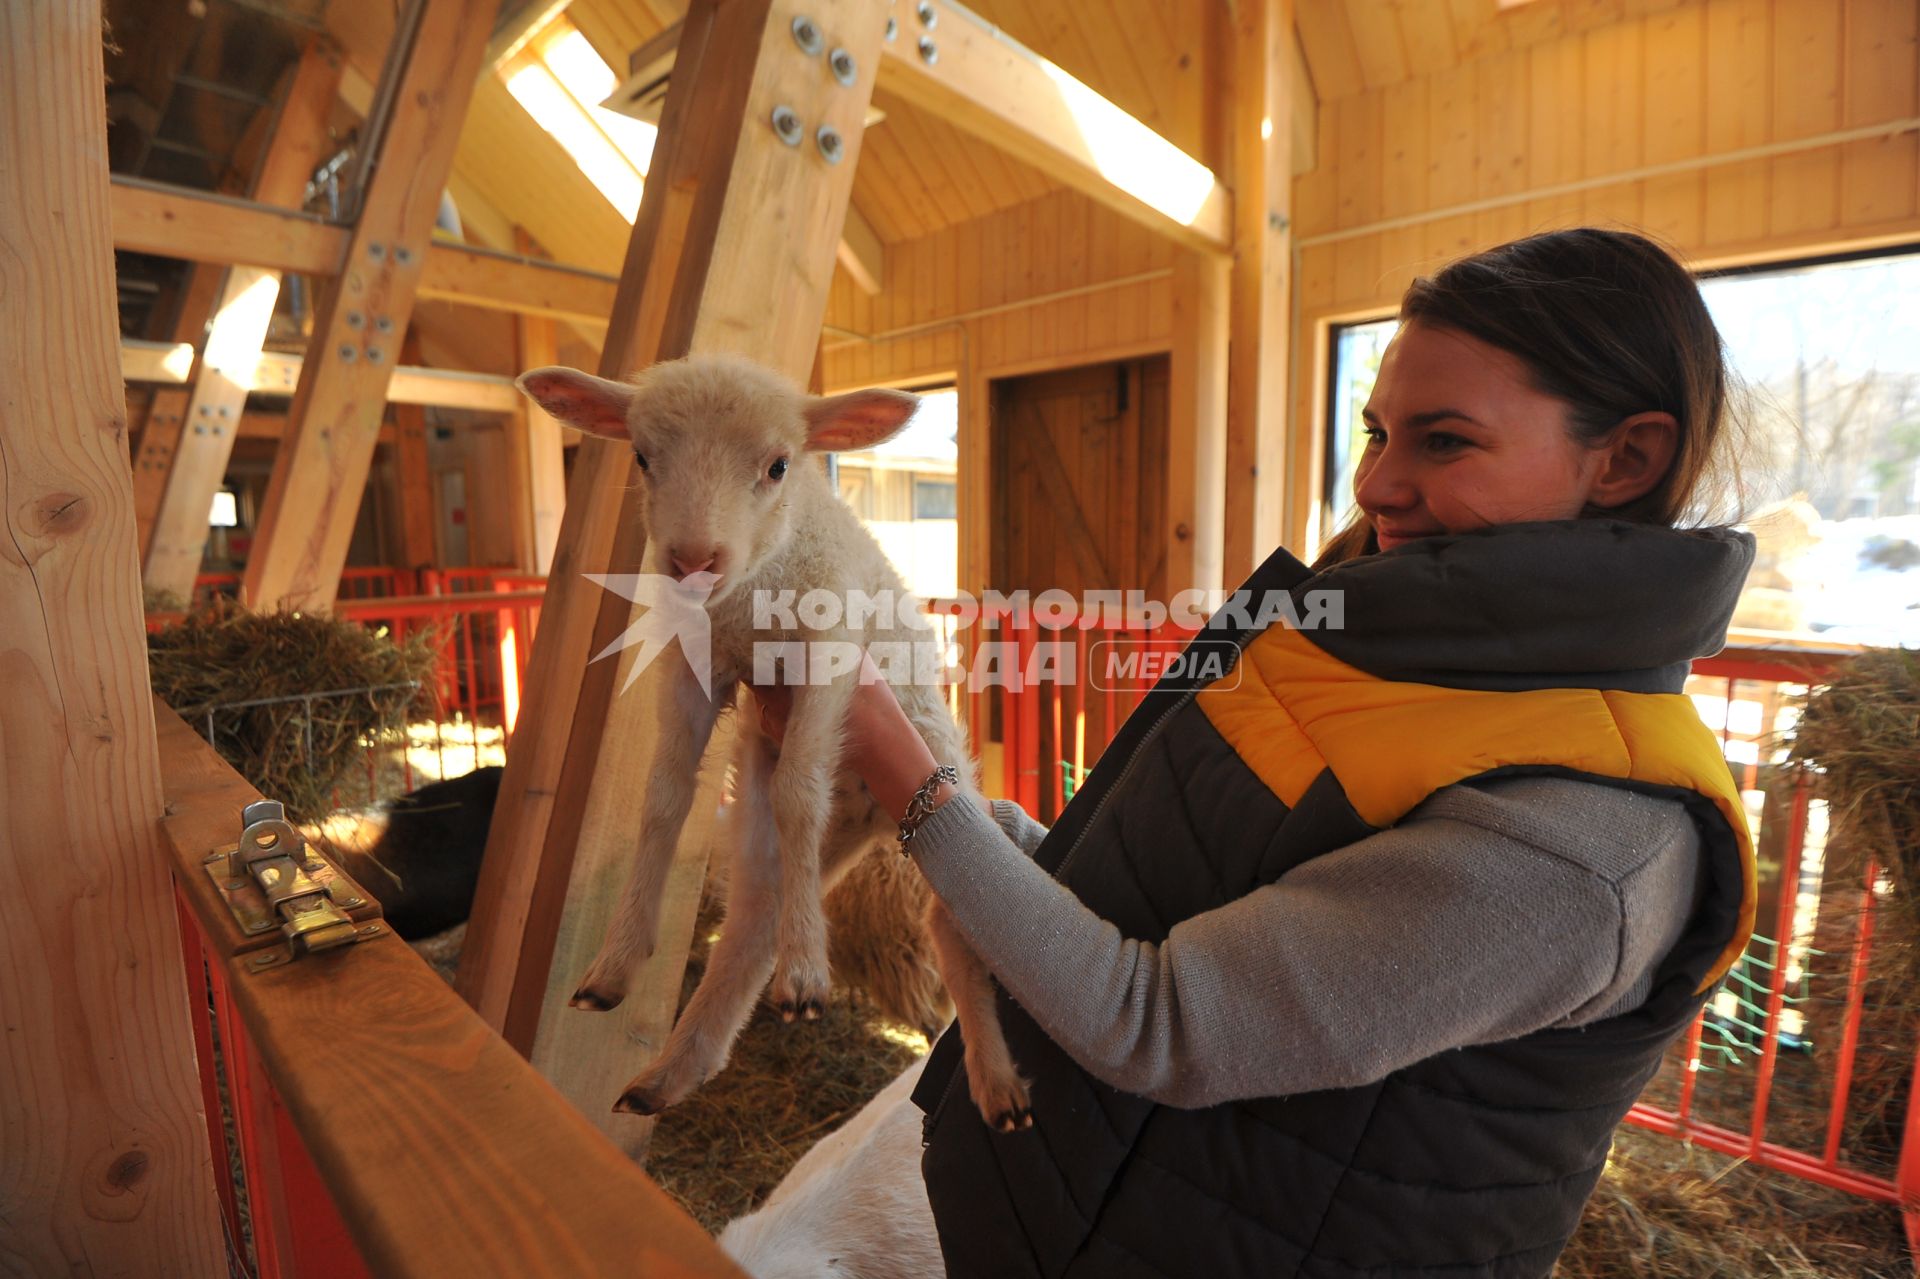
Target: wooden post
[544, 452]
[160, 435]
[1258, 350]
[707, 270]
[224, 370]
[1197, 425]
[320, 471]
[106, 1167]
[415, 483]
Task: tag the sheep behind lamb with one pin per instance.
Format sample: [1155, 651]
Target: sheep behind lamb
[734, 509]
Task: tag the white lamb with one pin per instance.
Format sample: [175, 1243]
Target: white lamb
[720, 443]
[854, 1207]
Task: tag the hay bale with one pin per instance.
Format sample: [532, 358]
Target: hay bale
[1861, 731]
[297, 750]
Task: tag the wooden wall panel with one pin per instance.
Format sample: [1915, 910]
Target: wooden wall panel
[987, 271]
[1610, 122]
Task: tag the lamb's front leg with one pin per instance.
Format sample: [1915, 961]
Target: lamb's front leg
[802, 803]
[686, 719]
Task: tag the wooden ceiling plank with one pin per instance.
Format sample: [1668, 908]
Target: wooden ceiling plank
[990, 86]
[1477, 30]
[1376, 38]
[1327, 38]
[321, 468]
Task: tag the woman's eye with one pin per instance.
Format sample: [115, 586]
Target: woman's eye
[641, 458]
[1440, 442]
[778, 469]
[1374, 435]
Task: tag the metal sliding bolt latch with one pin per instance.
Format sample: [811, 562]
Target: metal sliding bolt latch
[270, 880]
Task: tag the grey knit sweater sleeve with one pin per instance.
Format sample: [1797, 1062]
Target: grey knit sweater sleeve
[1491, 911]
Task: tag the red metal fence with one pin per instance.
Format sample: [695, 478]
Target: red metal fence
[1769, 1071]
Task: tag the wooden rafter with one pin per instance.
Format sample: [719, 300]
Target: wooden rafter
[569, 802]
[106, 1168]
[320, 470]
[175, 222]
[984, 82]
[222, 373]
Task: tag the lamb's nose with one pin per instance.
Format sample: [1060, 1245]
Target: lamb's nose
[691, 562]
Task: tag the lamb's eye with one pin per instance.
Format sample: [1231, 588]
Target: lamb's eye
[641, 458]
[778, 469]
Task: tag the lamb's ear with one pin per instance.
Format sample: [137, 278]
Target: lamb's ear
[858, 419]
[580, 400]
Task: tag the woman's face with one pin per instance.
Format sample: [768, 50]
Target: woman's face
[1458, 439]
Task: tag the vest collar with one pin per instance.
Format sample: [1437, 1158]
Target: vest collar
[1571, 603]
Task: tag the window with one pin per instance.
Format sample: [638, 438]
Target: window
[561, 81]
[934, 500]
[1827, 362]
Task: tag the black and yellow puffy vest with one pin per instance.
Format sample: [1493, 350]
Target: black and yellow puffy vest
[1549, 649]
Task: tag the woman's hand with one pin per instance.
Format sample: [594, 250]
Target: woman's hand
[882, 745]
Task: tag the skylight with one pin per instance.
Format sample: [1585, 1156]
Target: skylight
[560, 81]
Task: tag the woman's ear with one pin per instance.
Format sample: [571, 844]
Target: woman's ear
[582, 401]
[858, 419]
[1636, 459]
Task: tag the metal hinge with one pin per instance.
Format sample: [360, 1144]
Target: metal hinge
[271, 880]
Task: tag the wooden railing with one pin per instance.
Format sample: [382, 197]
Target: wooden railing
[383, 1128]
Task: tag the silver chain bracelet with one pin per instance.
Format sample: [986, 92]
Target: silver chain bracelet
[920, 807]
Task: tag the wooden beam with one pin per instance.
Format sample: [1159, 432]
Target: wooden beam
[984, 82]
[201, 227]
[223, 372]
[107, 1168]
[545, 452]
[172, 222]
[1258, 353]
[862, 254]
[707, 270]
[277, 373]
[1196, 426]
[507, 282]
[166, 413]
[320, 470]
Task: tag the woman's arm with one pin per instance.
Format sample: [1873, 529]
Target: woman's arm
[1433, 935]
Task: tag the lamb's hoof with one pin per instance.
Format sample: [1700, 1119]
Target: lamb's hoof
[638, 1101]
[1014, 1120]
[804, 1010]
[590, 1000]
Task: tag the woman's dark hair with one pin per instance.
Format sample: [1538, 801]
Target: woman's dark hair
[1607, 321]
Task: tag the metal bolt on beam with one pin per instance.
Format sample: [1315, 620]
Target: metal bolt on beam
[384, 323]
[347, 354]
[806, 34]
[403, 255]
[354, 319]
[844, 67]
[376, 251]
[928, 18]
[786, 123]
[929, 53]
[375, 354]
[893, 30]
[831, 147]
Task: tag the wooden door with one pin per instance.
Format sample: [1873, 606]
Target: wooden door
[1079, 504]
